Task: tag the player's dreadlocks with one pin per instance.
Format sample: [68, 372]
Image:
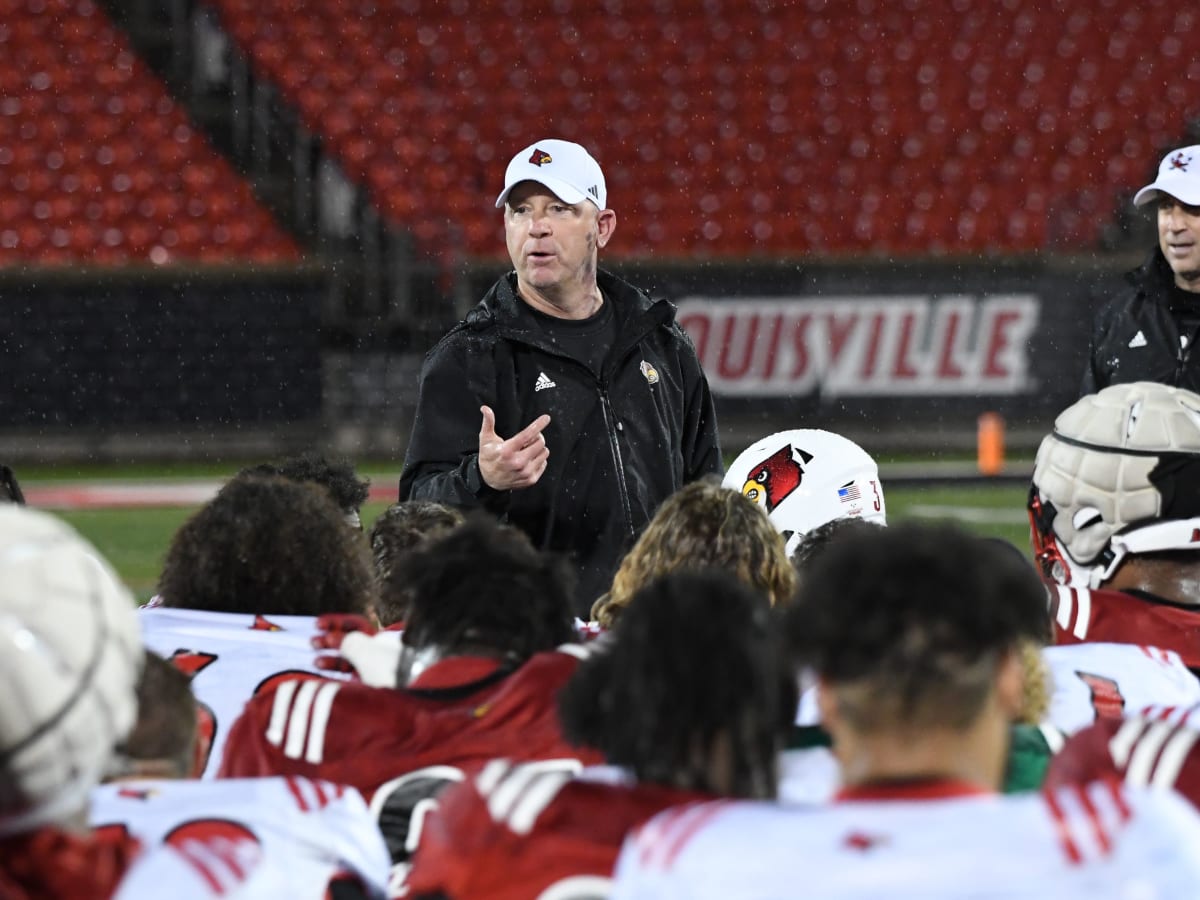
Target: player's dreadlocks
[909, 622]
[337, 476]
[690, 675]
[484, 584]
[269, 546]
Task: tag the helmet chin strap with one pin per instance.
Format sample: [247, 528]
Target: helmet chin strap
[1173, 534]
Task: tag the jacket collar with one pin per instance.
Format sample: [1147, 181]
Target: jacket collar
[501, 307]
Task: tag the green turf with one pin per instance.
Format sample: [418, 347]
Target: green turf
[135, 540]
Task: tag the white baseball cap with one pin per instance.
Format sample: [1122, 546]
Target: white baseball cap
[1178, 175]
[566, 168]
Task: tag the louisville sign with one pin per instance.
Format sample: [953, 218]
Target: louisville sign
[845, 346]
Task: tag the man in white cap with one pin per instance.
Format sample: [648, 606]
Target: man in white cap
[567, 402]
[1147, 331]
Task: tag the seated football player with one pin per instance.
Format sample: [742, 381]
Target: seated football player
[674, 728]
[394, 533]
[242, 585]
[1158, 746]
[806, 477]
[919, 680]
[1115, 510]
[486, 650]
[702, 525]
[337, 477]
[69, 660]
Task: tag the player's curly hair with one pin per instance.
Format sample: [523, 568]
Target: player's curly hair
[693, 668]
[396, 531]
[703, 525]
[337, 476]
[911, 621]
[270, 546]
[484, 584]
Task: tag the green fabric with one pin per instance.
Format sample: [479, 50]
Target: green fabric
[1029, 753]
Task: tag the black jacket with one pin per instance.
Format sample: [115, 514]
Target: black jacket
[619, 444]
[1137, 337]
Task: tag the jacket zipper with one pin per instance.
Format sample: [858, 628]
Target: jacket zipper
[614, 443]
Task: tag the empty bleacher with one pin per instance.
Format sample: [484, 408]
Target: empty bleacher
[99, 165]
[732, 129]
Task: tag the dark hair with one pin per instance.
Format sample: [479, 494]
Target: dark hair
[270, 546]
[337, 476]
[397, 530]
[814, 541]
[10, 488]
[919, 613]
[693, 660]
[165, 730]
[484, 584]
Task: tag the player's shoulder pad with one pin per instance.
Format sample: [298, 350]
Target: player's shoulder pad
[658, 842]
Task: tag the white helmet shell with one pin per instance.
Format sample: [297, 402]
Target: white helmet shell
[1118, 475]
[70, 654]
[807, 477]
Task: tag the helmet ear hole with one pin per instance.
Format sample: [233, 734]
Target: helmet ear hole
[1085, 517]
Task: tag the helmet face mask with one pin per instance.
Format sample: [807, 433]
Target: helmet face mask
[807, 477]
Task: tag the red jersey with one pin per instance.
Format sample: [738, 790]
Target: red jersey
[50, 862]
[400, 747]
[1157, 748]
[518, 831]
[1120, 617]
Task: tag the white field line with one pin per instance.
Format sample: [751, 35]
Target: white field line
[979, 515]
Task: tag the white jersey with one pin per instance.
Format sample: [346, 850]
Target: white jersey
[1113, 680]
[230, 657]
[276, 837]
[1076, 844]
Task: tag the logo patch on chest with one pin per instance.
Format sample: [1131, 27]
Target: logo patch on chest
[648, 372]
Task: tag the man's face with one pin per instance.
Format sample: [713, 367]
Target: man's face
[1179, 238]
[553, 244]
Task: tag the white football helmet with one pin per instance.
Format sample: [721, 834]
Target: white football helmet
[1119, 474]
[807, 477]
[70, 655]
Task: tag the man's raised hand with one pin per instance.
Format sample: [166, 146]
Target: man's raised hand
[514, 463]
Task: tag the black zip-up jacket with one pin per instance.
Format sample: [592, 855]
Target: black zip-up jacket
[1137, 336]
[620, 443]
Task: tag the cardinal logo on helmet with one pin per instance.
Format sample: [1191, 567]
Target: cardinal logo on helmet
[540, 158]
[773, 479]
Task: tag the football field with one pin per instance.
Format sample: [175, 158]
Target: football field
[129, 514]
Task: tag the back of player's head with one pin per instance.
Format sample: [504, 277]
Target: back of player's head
[813, 543]
[70, 652]
[807, 477]
[484, 585]
[394, 533]
[914, 620]
[1119, 476]
[337, 476]
[163, 740]
[270, 546]
[689, 681]
[702, 525]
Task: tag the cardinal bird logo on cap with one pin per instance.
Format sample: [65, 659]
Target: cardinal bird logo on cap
[540, 158]
[1180, 162]
[770, 482]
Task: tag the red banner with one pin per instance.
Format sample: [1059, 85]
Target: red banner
[865, 345]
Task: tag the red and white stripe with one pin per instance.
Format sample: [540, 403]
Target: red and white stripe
[1086, 817]
[1074, 610]
[1152, 751]
[300, 716]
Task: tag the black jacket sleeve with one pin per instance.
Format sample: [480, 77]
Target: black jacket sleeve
[701, 444]
[442, 461]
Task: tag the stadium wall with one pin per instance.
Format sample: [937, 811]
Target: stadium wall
[897, 355]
